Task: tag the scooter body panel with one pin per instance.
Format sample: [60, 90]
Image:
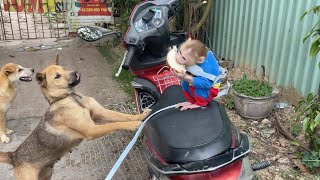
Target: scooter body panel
[159, 77]
[191, 146]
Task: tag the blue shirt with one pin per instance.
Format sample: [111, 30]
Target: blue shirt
[211, 66]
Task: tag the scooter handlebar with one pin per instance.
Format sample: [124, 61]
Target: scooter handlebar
[129, 55]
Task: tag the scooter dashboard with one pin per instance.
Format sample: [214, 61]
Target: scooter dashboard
[152, 18]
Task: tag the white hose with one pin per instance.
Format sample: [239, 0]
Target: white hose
[132, 142]
[135, 138]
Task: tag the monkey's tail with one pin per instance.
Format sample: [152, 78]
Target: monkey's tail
[5, 157]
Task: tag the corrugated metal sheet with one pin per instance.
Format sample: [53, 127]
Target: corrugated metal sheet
[270, 33]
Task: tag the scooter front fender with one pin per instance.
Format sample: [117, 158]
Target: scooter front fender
[143, 84]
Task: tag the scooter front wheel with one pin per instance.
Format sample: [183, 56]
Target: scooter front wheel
[143, 100]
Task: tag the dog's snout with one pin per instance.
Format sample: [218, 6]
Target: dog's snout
[74, 73]
[75, 78]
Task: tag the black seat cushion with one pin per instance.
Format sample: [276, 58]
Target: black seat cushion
[191, 135]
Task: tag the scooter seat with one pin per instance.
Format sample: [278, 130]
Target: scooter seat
[191, 135]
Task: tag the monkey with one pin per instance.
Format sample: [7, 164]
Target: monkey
[198, 90]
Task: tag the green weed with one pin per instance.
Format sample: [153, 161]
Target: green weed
[114, 58]
[253, 88]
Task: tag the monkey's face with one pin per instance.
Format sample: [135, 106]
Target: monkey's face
[185, 57]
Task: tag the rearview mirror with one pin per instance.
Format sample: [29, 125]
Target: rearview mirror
[89, 33]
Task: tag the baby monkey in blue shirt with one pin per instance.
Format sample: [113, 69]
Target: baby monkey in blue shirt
[198, 90]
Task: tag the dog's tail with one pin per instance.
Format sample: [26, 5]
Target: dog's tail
[5, 157]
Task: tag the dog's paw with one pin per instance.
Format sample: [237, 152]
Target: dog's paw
[9, 131]
[146, 112]
[4, 139]
[134, 125]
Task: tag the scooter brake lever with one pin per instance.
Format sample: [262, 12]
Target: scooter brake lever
[120, 68]
[119, 35]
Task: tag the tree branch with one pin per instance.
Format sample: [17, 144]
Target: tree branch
[199, 5]
[286, 134]
[205, 15]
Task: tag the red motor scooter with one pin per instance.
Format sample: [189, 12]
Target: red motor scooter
[147, 41]
[197, 144]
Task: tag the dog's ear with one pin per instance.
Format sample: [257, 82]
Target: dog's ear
[41, 79]
[9, 68]
[8, 72]
[56, 60]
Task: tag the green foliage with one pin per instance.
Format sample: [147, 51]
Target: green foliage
[311, 159]
[295, 127]
[253, 88]
[125, 8]
[309, 110]
[314, 32]
[228, 102]
[114, 58]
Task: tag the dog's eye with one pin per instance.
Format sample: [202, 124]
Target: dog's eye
[57, 76]
[20, 69]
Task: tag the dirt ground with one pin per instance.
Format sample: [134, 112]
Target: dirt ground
[267, 143]
[92, 160]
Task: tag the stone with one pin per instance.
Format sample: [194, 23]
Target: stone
[266, 133]
[265, 121]
[277, 177]
[254, 123]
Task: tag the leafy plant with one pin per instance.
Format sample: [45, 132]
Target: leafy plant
[309, 110]
[253, 88]
[295, 128]
[228, 102]
[314, 32]
[125, 8]
[311, 159]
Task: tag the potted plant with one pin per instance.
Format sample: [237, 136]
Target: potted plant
[253, 99]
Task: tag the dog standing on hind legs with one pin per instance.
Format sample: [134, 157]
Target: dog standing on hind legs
[10, 75]
[69, 119]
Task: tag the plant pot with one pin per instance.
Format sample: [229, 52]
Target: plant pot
[253, 107]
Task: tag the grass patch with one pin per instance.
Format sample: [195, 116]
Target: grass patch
[114, 56]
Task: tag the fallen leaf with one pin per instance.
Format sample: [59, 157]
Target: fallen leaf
[283, 142]
[302, 167]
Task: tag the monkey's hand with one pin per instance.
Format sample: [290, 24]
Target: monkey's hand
[183, 76]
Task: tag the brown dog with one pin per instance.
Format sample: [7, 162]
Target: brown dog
[10, 75]
[69, 120]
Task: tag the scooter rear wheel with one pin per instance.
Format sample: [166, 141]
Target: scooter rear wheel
[143, 100]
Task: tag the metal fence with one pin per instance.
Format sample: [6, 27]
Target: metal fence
[32, 19]
[270, 33]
